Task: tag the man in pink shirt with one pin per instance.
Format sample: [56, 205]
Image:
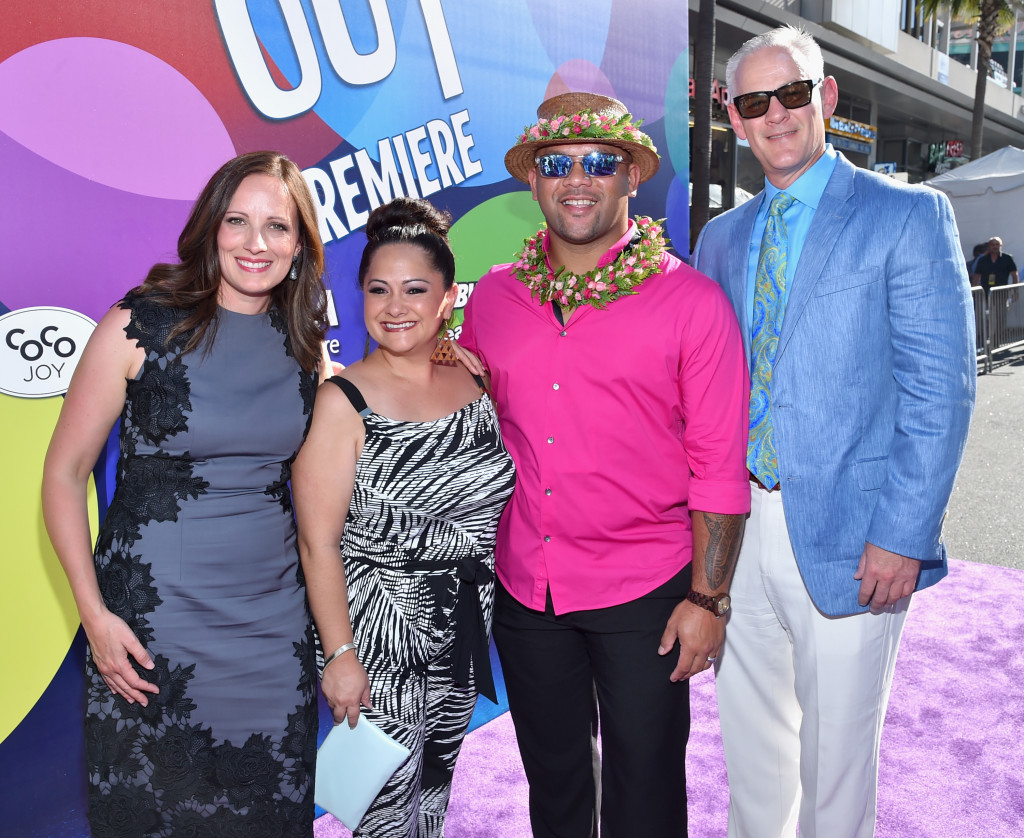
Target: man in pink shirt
[621, 388]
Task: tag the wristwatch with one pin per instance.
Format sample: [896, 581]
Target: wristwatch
[718, 604]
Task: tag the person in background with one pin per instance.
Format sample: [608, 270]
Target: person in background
[862, 385]
[994, 267]
[621, 387]
[200, 704]
[978, 251]
[398, 492]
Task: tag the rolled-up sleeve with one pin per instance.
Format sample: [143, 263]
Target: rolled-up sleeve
[715, 392]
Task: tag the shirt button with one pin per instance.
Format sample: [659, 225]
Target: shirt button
[551, 439]
[554, 386]
[547, 538]
[547, 491]
[562, 334]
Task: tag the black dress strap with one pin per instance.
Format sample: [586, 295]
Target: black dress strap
[479, 382]
[354, 396]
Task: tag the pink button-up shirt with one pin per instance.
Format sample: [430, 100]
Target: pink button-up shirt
[619, 423]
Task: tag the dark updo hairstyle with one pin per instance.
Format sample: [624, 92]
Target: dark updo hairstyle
[193, 284]
[410, 221]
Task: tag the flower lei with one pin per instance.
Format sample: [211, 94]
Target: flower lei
[637, 261]
[586, 125]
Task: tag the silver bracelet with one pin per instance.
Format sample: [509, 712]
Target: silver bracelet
[337, 654]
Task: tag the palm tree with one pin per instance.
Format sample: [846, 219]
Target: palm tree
[703, 68]
[992, 16]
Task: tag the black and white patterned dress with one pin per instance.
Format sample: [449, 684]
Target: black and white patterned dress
[419, 560]
[198, 554]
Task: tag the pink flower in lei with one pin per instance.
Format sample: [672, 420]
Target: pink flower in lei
[602, 285]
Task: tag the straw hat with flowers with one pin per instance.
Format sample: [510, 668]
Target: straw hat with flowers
[581, 117]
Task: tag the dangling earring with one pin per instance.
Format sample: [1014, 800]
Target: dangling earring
[293, 274]
[444, 352]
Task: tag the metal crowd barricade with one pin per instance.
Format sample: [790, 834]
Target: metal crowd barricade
[984, 356]
[1005, 321]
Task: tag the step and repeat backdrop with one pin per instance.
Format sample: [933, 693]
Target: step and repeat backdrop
[114, 114]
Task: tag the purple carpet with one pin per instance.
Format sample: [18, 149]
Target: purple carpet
[952, 762]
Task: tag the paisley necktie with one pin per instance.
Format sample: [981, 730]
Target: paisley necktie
[769, 288]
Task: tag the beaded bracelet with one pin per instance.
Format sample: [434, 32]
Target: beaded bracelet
[337, 654]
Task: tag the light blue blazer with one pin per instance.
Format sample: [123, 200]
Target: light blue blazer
[874, 378]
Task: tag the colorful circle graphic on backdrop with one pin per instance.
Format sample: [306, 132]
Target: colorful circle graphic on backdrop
[142, 159]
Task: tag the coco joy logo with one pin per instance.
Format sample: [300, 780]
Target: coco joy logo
[39, 350]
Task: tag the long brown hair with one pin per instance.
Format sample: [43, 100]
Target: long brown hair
[194, 282]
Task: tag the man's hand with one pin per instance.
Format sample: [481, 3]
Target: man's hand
[700, 634]
[475, 364]
[885, 577]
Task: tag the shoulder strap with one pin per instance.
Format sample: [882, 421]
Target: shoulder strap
[479, 382]
[354, 396]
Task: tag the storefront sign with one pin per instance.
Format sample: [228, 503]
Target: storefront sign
[846, 144]
[850, 128]
[719, 93]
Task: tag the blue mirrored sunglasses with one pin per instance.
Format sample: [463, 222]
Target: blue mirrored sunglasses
[595, 164]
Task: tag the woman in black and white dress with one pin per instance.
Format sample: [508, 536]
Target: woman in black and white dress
[398, 491]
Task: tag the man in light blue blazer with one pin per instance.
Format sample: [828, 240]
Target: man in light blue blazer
[854, 300]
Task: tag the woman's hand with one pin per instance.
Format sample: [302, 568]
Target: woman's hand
[112, 642]
[346, 687]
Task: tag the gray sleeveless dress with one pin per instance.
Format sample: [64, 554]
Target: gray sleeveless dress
[198, 554]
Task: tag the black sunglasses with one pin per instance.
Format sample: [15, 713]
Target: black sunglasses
[796, 94]
[595, 164]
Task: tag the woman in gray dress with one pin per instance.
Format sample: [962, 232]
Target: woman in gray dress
[201, 715]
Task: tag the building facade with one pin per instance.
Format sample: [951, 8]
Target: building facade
[905, 106]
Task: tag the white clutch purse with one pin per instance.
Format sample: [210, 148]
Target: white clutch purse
[352, 766]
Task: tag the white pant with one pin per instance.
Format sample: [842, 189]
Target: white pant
[801, 696]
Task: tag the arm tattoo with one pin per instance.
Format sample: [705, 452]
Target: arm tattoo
[724, 533]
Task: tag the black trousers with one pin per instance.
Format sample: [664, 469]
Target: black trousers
[553, 667]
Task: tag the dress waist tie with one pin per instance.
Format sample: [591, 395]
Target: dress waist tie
[471, 644]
